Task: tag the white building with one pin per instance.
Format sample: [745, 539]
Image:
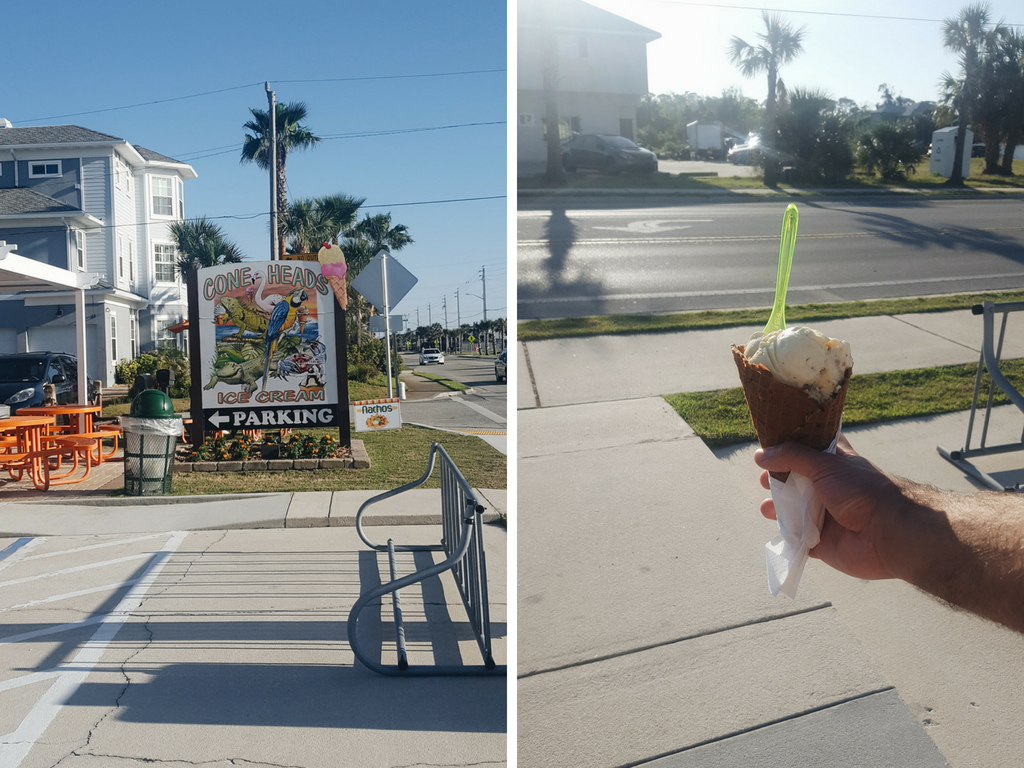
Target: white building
[85, 201]
[602, 73]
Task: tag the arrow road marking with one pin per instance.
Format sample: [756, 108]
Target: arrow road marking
[655, 226]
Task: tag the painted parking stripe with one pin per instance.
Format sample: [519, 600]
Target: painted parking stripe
[16, 550]
[69, 595]
[76, 569]
[117, 543]
[15, 746]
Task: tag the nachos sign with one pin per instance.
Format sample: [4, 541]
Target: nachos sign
[266, 334]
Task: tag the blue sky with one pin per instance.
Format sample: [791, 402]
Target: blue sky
[79, 57]
[847, 56]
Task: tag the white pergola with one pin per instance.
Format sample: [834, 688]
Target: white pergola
[19, 274]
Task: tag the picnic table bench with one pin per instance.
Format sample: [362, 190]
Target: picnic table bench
[462, 542]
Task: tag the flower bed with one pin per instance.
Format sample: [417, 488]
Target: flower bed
[255, 451]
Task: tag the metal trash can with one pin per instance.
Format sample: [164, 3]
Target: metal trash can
[151, 431]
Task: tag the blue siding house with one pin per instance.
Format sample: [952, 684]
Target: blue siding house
[85, 201]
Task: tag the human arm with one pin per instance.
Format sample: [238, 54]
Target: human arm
[967, 549]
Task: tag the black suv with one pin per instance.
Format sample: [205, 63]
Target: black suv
[610, 154]
[22, 377]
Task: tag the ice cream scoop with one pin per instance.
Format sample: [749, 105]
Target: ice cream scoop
[804, 358]
[333, 267]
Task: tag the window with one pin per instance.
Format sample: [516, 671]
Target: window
[163, 196]
[113, 337]
[122, 175]
[164, 338]
[120, 257]
[181, 198]
[131, 261]
[131, 330]
[526, 120]
[40, 170]
[80, 248]
[163, 256]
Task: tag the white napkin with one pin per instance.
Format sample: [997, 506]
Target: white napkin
[800, 515]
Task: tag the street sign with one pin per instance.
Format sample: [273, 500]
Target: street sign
[370, 282]
[377, 415]
[377, 324]
[264, 418]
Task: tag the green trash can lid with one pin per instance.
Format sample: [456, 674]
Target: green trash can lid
[152, 404]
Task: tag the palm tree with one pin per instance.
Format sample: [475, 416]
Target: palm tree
[291, 136]
[780, 44]
[313, 221]
[201, 243]
[378, 232]
[967, 35]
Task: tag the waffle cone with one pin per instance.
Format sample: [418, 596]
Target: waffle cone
[782, 413]
[340, 289]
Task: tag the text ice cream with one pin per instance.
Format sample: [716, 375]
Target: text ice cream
[804, 358]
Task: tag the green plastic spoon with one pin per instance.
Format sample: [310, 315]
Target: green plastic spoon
[777, 321]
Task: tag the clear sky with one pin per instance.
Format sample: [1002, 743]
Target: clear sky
[66, 57]
[847, 56]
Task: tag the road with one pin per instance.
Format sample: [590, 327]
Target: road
[602, 257]
[482, 411]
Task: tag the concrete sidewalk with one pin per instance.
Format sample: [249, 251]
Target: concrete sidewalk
[318, 509]
[646, 633]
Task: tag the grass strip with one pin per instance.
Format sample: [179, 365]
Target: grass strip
[397, 457]
[540, 330]
[721, 417]
[458, 386]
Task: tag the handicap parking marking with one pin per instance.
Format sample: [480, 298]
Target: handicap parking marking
[68, 676]
[89, 547]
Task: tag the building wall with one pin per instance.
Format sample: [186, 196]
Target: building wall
[66, 187]
[592, 112]
[98, 202]
[46, 244]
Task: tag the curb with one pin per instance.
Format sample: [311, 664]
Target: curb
[760, 194]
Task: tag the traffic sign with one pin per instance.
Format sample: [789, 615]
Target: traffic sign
[370, 282]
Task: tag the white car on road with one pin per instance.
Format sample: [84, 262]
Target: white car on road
[431, 355]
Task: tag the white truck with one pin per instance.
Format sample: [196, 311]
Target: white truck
[706, 139]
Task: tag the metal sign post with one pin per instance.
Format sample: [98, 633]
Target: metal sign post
[387, 315]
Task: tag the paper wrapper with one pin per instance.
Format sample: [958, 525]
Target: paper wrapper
[783, 413]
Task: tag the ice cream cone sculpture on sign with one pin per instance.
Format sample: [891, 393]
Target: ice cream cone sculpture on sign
[333, 267]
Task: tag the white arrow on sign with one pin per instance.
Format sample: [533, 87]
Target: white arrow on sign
[656, 226]
[216, 419]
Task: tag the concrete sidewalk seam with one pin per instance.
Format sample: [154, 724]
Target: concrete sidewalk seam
[933, 333]
[529, 369]
[760, 726]
[647, 441]
[696, 636]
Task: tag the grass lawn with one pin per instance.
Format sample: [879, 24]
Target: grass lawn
[721, 417]
[396, 457]
[458, 386]
[538, 330]
[921, 180]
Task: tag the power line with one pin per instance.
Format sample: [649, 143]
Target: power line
[810, 13]
[250, 85]
[228, 148]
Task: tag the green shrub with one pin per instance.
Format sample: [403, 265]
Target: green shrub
[126, 371]
[891, 149]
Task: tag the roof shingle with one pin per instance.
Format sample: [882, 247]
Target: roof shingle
[19, 201]
[52, 134]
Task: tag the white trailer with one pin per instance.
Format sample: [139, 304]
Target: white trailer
[706, 138]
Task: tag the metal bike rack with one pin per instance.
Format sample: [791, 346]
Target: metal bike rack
[991, 352]
[462, 542]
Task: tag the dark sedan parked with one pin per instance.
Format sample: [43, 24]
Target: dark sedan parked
[610, 154]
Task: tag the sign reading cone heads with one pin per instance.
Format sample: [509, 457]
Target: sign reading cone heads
[370, 282]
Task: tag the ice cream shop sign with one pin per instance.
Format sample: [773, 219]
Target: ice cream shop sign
[269, 347]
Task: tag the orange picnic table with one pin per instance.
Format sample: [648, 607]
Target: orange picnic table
[80, 419]
[27, 451]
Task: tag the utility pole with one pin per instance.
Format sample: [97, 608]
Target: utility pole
[430, 317]
[444, 306]
[272, 114]
[483, 280]
[417, 317]
[458, 318]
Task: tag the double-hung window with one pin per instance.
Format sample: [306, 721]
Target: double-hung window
[163, 195]
[163, 257]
